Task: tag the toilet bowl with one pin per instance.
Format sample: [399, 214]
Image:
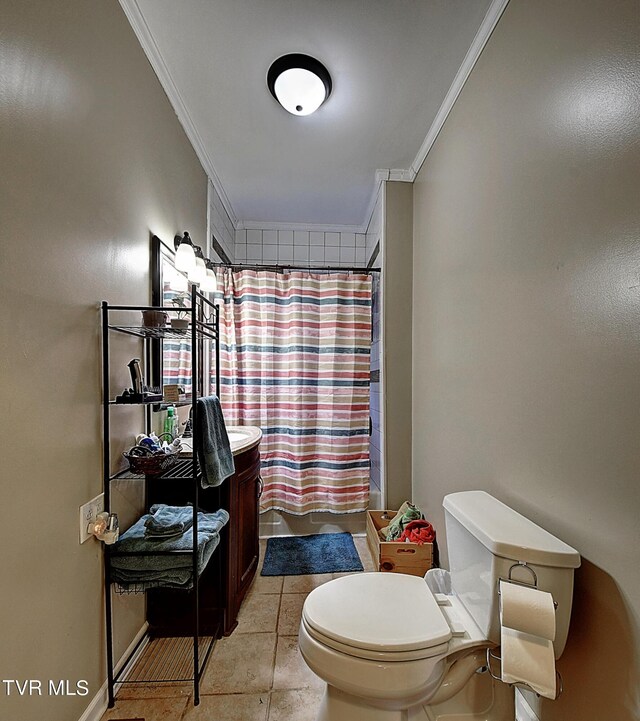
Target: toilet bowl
[384, 643]
[390, 649]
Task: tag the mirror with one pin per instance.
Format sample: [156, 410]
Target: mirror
[170, 357]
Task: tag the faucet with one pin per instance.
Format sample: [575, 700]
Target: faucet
[188, 425]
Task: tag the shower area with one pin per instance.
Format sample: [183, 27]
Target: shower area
[298, 349]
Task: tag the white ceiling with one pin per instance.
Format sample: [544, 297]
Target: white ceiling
[391, 61]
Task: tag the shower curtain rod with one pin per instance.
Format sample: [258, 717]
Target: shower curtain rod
[279, 268]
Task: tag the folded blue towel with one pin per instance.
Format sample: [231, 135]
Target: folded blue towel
[170, 571]
[166, 521]
[216, 459]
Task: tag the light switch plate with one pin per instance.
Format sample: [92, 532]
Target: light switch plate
[88, 513]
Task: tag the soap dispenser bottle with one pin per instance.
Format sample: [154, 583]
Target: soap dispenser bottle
[169, 422]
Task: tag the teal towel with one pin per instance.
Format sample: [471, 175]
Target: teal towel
[168, 520]
[172, 571]
[216, 459]
[407, 513]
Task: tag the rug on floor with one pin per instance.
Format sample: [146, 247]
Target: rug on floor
[303, 555]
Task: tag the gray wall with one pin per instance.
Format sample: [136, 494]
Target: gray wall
[374, 241]
[396, 348]
[93, 160]
[526, 370]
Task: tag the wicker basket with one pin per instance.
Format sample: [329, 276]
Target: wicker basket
[149, 464]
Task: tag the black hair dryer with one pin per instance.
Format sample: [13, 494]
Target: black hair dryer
[137, 381]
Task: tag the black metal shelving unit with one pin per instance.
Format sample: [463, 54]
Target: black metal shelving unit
[169, 664]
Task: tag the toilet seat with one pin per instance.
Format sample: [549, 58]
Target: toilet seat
[378, 616]
[370, 655]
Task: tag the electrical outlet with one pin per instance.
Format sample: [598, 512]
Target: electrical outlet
[88, 514]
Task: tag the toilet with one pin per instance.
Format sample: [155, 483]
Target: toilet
[391, 649]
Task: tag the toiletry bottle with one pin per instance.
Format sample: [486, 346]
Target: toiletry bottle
[176, 423]
[169, 422]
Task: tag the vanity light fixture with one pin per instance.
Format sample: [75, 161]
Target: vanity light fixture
[185, 259]
[210, 283]
[299, 83]
[177, 280]
[199, 272]
[190, 259]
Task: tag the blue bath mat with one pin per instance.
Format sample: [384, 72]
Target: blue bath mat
[302, 555]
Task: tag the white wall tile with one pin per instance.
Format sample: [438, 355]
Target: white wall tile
[347, 255]
[285, 252]
[301, 237]
[301, 252]
[374, 492]
[331, 255]
[316, 253]
[269, 253]
[329, 248]
[254, 236]
[254, 251]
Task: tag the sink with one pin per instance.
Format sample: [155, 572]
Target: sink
[241, 438]
[236, 436]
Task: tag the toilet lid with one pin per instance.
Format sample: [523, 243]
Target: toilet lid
[384, 612]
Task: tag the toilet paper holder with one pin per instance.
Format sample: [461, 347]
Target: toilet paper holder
[496, 656]
[497, 677]
[525, 566]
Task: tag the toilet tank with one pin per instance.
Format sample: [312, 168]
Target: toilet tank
[486, 541]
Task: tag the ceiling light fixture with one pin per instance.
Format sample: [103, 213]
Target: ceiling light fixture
[299, 83]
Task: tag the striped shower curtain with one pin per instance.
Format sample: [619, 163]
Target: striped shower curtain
[295, 361]
[176, 353]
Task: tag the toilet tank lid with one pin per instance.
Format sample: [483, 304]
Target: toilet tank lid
[506, 533]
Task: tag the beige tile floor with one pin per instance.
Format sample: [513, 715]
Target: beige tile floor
[257, 673]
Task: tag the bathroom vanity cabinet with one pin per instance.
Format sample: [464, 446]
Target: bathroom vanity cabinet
[242, 495]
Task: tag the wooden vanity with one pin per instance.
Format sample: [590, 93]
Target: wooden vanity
[228, 576]
[241, 497]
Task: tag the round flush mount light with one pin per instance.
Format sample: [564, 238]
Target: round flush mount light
[299, 83]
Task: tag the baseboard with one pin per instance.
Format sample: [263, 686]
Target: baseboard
[99, 703]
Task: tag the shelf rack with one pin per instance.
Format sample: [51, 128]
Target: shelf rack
[166, 664]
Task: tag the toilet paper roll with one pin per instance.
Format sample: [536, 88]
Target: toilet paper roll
[530, 660]
[528, 610]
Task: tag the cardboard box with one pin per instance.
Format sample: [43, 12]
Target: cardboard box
[394, 557]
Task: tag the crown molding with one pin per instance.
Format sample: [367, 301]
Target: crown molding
[145, 37]
[143, 33]
[402, 175]
[488, 25]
